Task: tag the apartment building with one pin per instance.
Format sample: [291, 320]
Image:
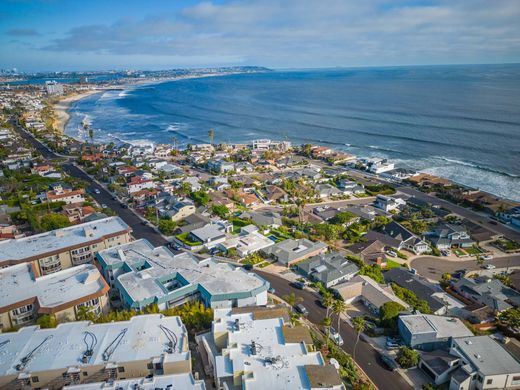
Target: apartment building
[83, 352]
[64, 248]
[24, 296]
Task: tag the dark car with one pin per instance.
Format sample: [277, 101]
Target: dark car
[388, 362]
[248, 267]
[301, 309]
[124, 206]
[298, 285]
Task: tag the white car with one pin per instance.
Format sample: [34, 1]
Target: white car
[489, 266]
[335, 336]
[97, 191]
[391, 253]
[487, 257]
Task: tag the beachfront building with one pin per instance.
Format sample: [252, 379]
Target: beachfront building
[64, 248]
[145, 275]
[53, 88]
[257, 348]
[24, 296]
[83, 352]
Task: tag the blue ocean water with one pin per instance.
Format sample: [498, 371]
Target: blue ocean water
[461, 122]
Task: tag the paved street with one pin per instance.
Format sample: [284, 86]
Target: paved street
[433, 267]
[366, 356]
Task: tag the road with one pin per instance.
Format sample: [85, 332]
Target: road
[104, 197]
[433, 267]
[366, 356]
[463, 212]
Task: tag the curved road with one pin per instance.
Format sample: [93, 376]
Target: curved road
[433, 267]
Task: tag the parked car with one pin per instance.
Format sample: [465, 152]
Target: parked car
[446, 252]
[104, 206]
[271, 290]
[335, 336]
[489, 266]
[388, 362]
[96, 190]
[298, 285]
[391, 253]
[487, 257]
[301, 309]
[248, 267]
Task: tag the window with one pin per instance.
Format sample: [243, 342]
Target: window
[150, 366]
[516, 380]
[35, 379]
[120, 369]
[489, 381]
[85, 373]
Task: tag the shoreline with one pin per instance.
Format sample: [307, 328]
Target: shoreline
[61, 108]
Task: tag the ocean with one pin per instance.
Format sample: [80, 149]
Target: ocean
[460, 122]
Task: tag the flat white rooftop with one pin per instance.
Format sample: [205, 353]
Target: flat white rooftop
[442, 326]
[150, 265]
[58, 240]
[17, 284]
[140, 338]
[174, 382]
[285, 371]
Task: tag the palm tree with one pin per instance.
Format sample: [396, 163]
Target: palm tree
[211, 135]
[327, 322]
[174, 142]
[292, 299]
[338, 307]
[359, 326]
[327, 300]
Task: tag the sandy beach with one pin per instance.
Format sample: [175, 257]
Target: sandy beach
[61, 107]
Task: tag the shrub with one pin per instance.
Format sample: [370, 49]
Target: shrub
[407, 357]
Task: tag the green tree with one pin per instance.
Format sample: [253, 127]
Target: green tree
[445, 279]
[338, 307]
[53, 221]
[220, 210]
[389, 312]
[327, 322]
[327, 300]
[167, 226]
[292, 299]
[407, 357]
[201, 198]
[359, 325]
[343, 217]
[47, 321]
[510, 318]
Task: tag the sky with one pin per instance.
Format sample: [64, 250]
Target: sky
[58, 35]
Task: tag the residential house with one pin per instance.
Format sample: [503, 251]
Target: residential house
[403, 238]
[178, 210]
[191, 222]
[445, 236]
[370, 251]
[289, 252]
[328, 268]
[144, 275]
[327, 191]
[428, 332]
[220, 166]
[367, 291]
[388, 203]
[266, 218]
[138, 183]
[63, 193]
[350, 187]
[275, 194]
[212, 234]
[249, 240]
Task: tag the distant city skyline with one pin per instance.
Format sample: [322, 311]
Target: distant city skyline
[96, 35]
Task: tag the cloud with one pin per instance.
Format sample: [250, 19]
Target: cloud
[22, 32]
[302, 33]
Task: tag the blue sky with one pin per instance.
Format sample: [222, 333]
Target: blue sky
[109, 34]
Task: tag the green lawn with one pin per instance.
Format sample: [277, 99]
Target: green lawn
[459, 252]
[474, 251]
[392, 264]
[183, 237]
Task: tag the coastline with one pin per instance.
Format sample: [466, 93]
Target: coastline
[62, 106]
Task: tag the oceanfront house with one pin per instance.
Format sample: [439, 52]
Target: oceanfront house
[378, 165]
[145, 275]
[249, 240]
[264, 218]
[329, 268]
[438, 300]
[367, 291]
[446, 236]
[397, 236]
[262, 145]
[83, 352]
[427, 332]
[489, 292]
[64, 248]
[258, 348]
[212, 234]
[289, 252]
[388, 203]
[24, 295]
[472, 363]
